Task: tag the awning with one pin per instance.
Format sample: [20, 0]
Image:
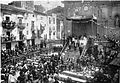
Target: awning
[20, 16]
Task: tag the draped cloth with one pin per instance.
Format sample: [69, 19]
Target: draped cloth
[81, 26]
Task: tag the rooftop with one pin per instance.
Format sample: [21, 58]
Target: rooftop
[56, 10]
[41, 13]
[14, 9]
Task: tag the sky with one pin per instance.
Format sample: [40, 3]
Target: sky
[47, 4]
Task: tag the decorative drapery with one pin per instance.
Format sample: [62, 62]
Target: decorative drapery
[83, 26]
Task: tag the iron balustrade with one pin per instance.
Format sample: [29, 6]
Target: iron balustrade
[8, 24]
[5, 39]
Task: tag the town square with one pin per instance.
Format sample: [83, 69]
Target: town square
[60, 41]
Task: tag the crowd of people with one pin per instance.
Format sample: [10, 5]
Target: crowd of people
[79, 42]
[42, 69]
[97, 56]
[32, 68]
[37, 69]
[8, 38]
[9, 54]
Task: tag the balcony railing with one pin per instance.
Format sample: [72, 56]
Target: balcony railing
[8, 24]
[6, 39]
[21, 26]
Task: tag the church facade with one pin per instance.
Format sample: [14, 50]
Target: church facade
[92, 18]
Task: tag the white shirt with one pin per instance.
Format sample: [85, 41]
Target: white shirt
[73, 39]
[12, 78]
[83, 41]
[17, 74]
[51, 80]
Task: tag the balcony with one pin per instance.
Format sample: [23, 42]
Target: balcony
[8, 24]
[21, 26]
[12, 38]
[6, 39]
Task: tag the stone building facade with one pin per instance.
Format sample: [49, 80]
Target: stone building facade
[13, 25]
[21, 26]
[56, 30]
[107, 14]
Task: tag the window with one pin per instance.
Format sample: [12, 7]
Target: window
[8, 33]
[32, 24]
[41, 18]
[53, 33]
[58, 28]
[27, 24]
[53, 27]
[50, 30]
[20, 21]
[20, 35]
[98, 13]
[53, 20]
[7, 18]
[27, 32]
[49, 21]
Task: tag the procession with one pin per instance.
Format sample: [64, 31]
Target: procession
[44, 68]
[60, 41]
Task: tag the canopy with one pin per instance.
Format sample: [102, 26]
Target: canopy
[82, 25]
[82, 18]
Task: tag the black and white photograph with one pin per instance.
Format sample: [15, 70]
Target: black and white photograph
[60, 41]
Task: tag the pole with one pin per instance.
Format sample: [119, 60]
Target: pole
[119, 75]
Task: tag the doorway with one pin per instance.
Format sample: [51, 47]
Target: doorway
[33, 42]
[20, 35]
[21, 44]
[8, 46]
